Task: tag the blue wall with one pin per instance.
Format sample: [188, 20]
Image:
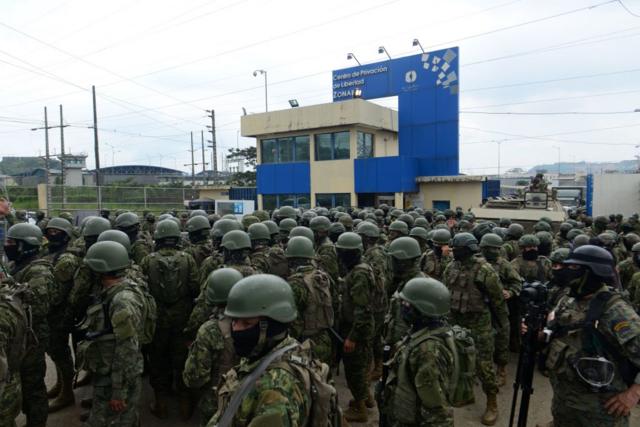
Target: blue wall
[385, 174]
[284, 178]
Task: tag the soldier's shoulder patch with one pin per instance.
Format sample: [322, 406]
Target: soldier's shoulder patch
[621, 327]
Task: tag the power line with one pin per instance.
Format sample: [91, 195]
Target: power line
[549, 113]
[627, 9]
[550, 137]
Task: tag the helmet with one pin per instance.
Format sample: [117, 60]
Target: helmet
[565, 227]
[573, 233]
[95, 226]
[597, 259]
[219, 283]
[368, 230]
[580, 240]
[404, 248]
[491, 240]
[197, 212]
[636, 247]
[236, 240]
[541, 226]
[308, 215]
[166, 229]
[107, 256]
[559, 255]
[421, 222]
[229, 216]
[355, 222]
[67, 216]
[300, 247]
[515, 231]
[223, 226]
[261, 295]
[441, 237]
[164, 216]
[261, 215]
[630, 239]
[428, 296]
[213, 218]
[441, 217]
[249, 220]
[302, 231]
[482, 229]
[126, 220]
[60, 224]
[504, 222]
[349, 241]
[500, 231]
[606, 239]
[337, 228]
[28, 233]
[116, 236]
[420, 233]
[346, 220]
[272, 226]
[408, 219]
[287, 212]
[528, 240]
[465, 240]
[601, 221]
[259, 231]
[320, 223]
[395, 213]
[399, 226]
[378, 213]
[545, 238]
[197, 223]
[547, 220]
[288, 224]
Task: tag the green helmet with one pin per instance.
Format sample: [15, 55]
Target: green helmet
[60, 224]
[349, 241]
[441, 236]
[320, 223]
[491, 240]
[404, 248]
[68, 216]
[236, 240]
[565, 227]
[223, 226]
[630, 239]
[408, 219]
[107, 256]
[259, 231]
[573, 233]
[528, 240]
[197, 212]
[559, 255]
[95, 226]
[230, 216]
[400, 227]
[197, 223]
[261, 295]
[541, 226]
[395, 213]
[346, 220]
[636, 247]
[336, 227]
[164, 216]
[601, 221]
[116, 236]
[308, 215]
[261, 215]
[428, 296]
[166, 229]
[544, 237]
[300, 247]
[248, 220]
[465, 240]
[606, 239]
[547, 220]
[580, 240]
[287, 225]
[368, 229]
[504, 222]
[301, 231]
[287, 212]
[421, 222]
[515, 231]
[126, 220]
[272, 226]
[28, 233]
[219, 283]
[420, 233]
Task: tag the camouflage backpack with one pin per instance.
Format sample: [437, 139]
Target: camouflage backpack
[318, 314]
[149, 313]
[11, 303]
[464, 350]
[166, 274]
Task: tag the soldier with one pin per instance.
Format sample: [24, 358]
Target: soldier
[41, 220]
[421, 397]
[599, 226]
[628, 268]
[511, 248]
[397, 229]
[476, 297]
[260, 247]
[277, 261]
[134, 272]
[434, 262]
[211, 355]
[335, 230]
[530, 264]
[198, 228]
[111, 348]
[325, 250]
[594, 346]
[129, 223]
[236, 247]
[262, 308]
[313, 294]
[149, 224]
[562, 240]
[511, 282]
[287, 212]
[22, 247]
[376, 256]
[173, 282]
[421, 236]
[356, 324]
[248, 221]
[286, 225]
[216, 259]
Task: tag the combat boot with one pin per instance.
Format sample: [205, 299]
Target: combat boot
[501, 375]
[490, 415]
[376, 373]
[370, 402]
[65, 398]
[160, 408]
[357, 413]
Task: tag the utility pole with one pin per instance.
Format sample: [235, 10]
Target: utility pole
[213, 146]
[62, 159]
[96, 146]
[204, 165]
[193, 163]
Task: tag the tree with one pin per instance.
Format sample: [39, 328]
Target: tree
[250, 156]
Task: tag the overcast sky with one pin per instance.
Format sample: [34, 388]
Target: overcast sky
[157, 65]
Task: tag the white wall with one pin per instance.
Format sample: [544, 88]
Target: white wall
[616, 193]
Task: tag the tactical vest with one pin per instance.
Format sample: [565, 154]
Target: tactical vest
[227, 358]
[23, 335]
[466, 297]
[379, 300]
[347, 303]
[95, 352]
[168, 277]
[318, 313]
[278, 264]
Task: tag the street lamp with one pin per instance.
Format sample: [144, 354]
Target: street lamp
[263, 72]
[416, 42]
[294, 103]
[352, 56]
[382, 50]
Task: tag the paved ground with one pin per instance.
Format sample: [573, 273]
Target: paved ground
[539, 412]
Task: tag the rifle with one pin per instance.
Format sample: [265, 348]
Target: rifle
[386, 355]
[338, 343]
[534, 299]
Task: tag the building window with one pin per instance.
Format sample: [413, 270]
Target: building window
[285, 150]
[364, 148]
[332, 146]
[328, 200]
[441, 205]
[274, 201]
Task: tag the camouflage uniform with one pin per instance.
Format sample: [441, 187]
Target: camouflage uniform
[311, 323]
[200, 251]
[141, 247]
[379, 261]
[531, 271]
[114, 358]
[279, 397]
[211, 355]
[430, 363]
[434, 266]
[575, 404]
[396, 327]
[328, 259]
[511, 249]
[634, 291]
[626, 269]
[357, 325]
[468, 280]
[211, 263]
[278, 262]
[260, 259]
[173, 282]
[561, 242]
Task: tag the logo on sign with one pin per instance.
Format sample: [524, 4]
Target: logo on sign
[411, 76]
